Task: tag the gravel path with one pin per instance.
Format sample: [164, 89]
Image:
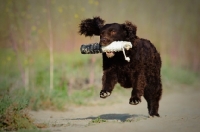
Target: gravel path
[179, 110]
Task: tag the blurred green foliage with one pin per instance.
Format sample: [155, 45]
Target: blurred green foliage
[71, 80]
[172, 25]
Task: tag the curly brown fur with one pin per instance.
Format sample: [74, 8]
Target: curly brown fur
[90, 27]
[131, 30]
[142, 73]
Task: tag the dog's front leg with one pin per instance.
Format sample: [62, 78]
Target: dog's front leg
[138, 89]
[109, 80]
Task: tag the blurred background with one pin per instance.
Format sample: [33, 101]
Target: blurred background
[42, 67]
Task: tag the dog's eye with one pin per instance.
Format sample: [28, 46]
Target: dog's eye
[113, 32]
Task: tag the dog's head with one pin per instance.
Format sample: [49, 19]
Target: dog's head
[108, 32]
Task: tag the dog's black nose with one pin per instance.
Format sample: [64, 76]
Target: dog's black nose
[104, 41]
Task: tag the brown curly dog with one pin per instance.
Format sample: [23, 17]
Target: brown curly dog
[142, 73]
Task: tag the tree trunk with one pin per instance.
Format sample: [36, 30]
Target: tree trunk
[50, 45]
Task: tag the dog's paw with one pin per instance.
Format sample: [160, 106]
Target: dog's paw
[134, 100]
[104, 94]
[154, 114]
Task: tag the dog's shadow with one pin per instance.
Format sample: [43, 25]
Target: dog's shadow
[119, 117]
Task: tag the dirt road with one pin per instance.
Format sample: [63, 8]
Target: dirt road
[179, 110]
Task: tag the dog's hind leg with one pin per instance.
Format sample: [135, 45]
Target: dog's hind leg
[152, 96]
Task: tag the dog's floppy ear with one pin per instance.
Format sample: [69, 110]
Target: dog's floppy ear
[131, 30]
[90, 27]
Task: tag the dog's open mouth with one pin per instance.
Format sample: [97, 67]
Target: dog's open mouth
[110, 54]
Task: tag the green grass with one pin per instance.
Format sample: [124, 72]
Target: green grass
[82, 97]
[13, 115]
[97, 120]
[180, 76]
[71, 75]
